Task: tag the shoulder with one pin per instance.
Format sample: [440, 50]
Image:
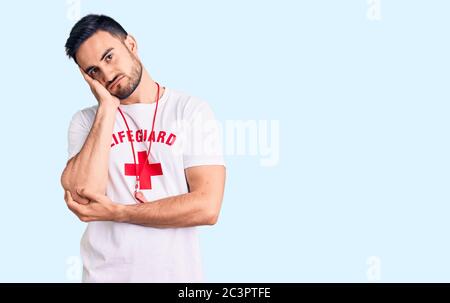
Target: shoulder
[85, 116]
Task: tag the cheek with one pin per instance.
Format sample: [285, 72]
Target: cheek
[122, 66]
[98, 77]
[124, 63]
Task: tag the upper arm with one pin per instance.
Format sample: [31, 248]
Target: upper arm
[209, 182]
[77, 134]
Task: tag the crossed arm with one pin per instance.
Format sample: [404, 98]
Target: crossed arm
[201, 206]
[85, 177]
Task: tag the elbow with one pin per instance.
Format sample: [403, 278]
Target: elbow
[66, 175]
[211, 209]
[212, 219]
[211, 216]
[65, 183]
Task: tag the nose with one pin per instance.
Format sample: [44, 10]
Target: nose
[108, 75]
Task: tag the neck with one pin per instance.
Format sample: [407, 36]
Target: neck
[145, 92]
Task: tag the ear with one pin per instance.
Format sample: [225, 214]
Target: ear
[131, 44]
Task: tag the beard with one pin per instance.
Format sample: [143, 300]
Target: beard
[123, 91]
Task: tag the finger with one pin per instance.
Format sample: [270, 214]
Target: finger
[91, 81]
[140, 197]
[73, 206]
[85, 76]
[76, 208]
[89, 195]
[76, 198]
[96, 87]
[80, 200]
[67, 196]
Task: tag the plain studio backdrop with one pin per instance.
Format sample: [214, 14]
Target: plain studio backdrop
[335, 115]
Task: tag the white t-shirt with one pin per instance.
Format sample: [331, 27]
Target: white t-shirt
[186, 134]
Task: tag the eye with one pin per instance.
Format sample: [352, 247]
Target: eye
[109, 58]
[93, 71]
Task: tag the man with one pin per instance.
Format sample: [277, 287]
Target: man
[145, 165]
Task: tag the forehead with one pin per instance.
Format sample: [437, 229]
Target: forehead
[91, 50]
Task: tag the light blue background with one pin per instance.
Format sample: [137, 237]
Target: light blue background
[363, 110]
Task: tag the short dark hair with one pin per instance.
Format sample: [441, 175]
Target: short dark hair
[89, 25]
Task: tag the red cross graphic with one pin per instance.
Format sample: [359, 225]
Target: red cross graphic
[146, 168]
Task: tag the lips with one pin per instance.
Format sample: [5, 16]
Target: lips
[116, 82]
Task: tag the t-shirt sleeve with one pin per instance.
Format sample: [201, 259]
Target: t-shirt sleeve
[203, 138]
[77, 134]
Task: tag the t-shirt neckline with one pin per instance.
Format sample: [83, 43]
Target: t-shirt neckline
[163, 98]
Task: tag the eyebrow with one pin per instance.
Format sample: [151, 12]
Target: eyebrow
[101, 59]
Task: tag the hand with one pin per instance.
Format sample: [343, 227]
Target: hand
[100, 92]
[140, 197]
[99, 208]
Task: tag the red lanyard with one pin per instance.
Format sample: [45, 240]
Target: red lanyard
[136, 187]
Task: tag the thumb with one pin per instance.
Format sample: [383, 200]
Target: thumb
[140, 197]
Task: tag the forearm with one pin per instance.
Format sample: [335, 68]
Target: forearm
[89, 168]
[191, 209]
